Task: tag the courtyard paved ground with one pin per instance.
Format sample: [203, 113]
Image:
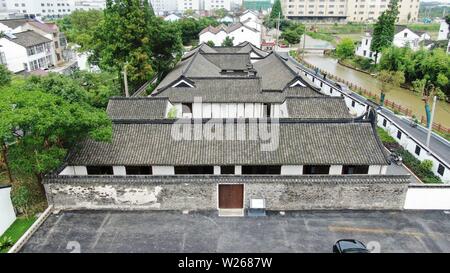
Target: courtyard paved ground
[309, 231]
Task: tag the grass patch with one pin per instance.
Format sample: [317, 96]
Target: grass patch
[321, 36]
[424, 27]
[385, 137]
[16, 230]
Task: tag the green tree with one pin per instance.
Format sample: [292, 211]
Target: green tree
[189, 12]
[79, 27]
[221, 13]
[384, 29]
[38, 127]
[210, 43]
[293, 33]
[123, 39]
[389, 79]
[345, 49]
[5, 75]
[228, 41]
[276, 11]
[166, 45]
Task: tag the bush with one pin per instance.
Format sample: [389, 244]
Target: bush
[385, 137]
[172, 113]
[6, 243]
[421, 169]
[426, 165]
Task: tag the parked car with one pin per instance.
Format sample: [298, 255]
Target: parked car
[349, 246]
[344, 88]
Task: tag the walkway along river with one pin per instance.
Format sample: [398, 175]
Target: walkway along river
[398, 95]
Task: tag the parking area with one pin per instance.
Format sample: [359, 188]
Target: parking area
[308, 231]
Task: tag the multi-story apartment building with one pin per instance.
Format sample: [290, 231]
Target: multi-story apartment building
[347, 10]
[40, 8]
[163, 6]
[316, 10]
[90, 4]
[217, 4]
[183, 5]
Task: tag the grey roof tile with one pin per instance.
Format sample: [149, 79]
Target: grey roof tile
[300, 143]
[137, 108]
[318, 108]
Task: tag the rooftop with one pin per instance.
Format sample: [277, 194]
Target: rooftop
[343, 142]
[28, 38]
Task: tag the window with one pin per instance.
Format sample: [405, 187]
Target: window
[399, 134]
[384, 123]
[355, 169]
[186, 108]
[266, 110]
[194, 170]
[405, 34]
[316, 169]
[138, 170]
[441, 170]
[417, 151]
[99, 170]
[226, 169]
[353, 103]
[261, 169]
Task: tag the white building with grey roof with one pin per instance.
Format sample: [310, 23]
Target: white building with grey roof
[225, 126]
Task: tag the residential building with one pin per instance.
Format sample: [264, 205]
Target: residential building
[162, 7]
[257, 5]
[239, 32]
[217, 4]
[347, 10]
[89, 4]
[59, 51]
[27, 51]
[403, 37]
[40, 8]
[194, 144]
[183, 5]
[172, 17]
[443, 31]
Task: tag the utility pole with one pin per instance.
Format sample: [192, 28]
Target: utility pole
[278, 30]
[125, 80]
[430, 128]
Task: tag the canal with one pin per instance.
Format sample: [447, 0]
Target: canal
[398, 95]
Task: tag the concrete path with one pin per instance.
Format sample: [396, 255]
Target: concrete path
[308, 231]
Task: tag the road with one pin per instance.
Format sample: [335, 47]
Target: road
[438, 145]
[306, 231]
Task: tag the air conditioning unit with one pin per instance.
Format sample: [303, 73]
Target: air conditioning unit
[257, 207]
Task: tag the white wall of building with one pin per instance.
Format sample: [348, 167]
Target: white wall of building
[183, 5]
[41, 8]
[217, 4]
[363, 49]
[7, 215]
[229, 110]
[163, 6]
[443, 31]
[16, 56]
[428, 197]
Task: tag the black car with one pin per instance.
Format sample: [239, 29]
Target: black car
[349, 246]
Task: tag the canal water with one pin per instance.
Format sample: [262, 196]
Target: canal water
[398, 95]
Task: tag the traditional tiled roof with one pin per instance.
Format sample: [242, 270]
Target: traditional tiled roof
[208, 179]
[13, 23]
[232, 90]
[136, 108]
[300, 143]
[28, 38]
[318, 108]
[226, 29]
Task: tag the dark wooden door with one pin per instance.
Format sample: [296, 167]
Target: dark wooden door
[231, 196]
